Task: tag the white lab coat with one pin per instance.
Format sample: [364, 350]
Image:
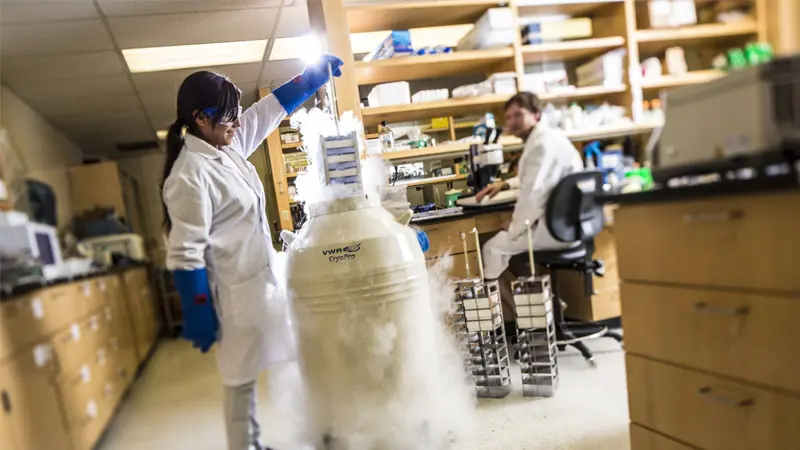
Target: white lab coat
[548, 157]
[216, 203]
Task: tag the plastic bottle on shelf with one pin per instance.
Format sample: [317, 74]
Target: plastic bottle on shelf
[386, 136]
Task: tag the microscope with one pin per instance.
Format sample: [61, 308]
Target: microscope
[485, 159]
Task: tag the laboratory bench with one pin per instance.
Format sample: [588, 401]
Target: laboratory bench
[711, 296]
[69, 350]
[444, 236]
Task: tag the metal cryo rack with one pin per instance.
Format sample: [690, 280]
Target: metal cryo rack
[478, 321]
[536, 335]
[536, 330]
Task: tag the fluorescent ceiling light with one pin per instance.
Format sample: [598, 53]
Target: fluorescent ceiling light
[306, 48]
[420, 37]
[156, 59]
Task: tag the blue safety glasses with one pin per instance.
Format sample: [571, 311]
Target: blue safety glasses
[228, 119]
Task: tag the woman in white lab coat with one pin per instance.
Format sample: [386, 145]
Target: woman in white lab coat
[548, 156]
[219, 245]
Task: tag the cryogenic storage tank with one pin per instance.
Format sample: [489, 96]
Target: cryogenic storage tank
[359, 285]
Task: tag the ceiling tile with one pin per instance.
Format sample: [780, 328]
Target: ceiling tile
[29, 68]
[50, 38]
[91, 106]
[196, 28]
[172, 79]
[281, 70]
[106, 124]
[75, 90]
[37, 11]
[149, 7]
[294, 22]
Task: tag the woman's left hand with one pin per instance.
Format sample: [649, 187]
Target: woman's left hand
[294, 92]
[316, 74]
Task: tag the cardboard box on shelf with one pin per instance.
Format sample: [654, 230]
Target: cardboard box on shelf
[556, 30]
[666, 13]
[494, 29]
[398, 93]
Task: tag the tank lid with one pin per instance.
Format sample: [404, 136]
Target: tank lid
[339, 205]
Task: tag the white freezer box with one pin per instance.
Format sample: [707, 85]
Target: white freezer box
[481, 314]
[534, 310]
[484, 325]
[479, 303]
[539, 298]
[535, 322]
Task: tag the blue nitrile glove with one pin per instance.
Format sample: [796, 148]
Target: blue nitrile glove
[294, 92]
[423, 241]
[200, 322]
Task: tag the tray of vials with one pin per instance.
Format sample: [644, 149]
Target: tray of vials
[536, 336]
[478, 320]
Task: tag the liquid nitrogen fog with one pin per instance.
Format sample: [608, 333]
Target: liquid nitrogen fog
[378, 367]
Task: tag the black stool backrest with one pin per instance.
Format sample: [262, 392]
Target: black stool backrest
[573, 210]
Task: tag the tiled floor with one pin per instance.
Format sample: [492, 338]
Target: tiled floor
[176, 405]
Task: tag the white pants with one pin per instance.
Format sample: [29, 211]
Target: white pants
[497, 251]
[241, 427]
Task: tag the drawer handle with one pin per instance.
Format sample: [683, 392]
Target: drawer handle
[723, 216]
[706, 392]
[705, 308]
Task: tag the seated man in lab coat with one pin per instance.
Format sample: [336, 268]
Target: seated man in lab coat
[548, 156]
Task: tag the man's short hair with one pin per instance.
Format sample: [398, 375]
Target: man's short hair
[525, 100]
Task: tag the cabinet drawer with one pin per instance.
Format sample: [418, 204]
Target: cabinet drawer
[20, 324]
[458, 269]
[710, 412]
[76, 341]
[746, 241]
[446, 236]
[86, 382]
[741, 335]
[644, 439]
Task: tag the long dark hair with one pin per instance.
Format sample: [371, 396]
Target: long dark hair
[198, 91]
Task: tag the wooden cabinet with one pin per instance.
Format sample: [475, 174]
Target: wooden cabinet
[709, 296]
[752, 336]
[743, 242]
[710, 412]
[142, 311]
[67, 354]
[644, 439]
[31, 402]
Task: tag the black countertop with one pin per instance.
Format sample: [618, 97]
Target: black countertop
[759, 174]
[468, 212]
[30, 287]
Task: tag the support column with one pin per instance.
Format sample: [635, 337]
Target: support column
[782, 25]
[329, 23]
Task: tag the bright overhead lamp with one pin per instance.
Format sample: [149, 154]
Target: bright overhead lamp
[155, 59]
[307, 48]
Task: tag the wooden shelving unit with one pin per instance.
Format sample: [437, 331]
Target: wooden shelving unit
[442, 108]
[570, 50]
[615, 26]
[565, 7]
[432, 66]
[669, 81]
[402, 16]
[431, 181]
[611, 132]
[656, 40]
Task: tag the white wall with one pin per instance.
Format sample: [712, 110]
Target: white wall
[39, 150]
